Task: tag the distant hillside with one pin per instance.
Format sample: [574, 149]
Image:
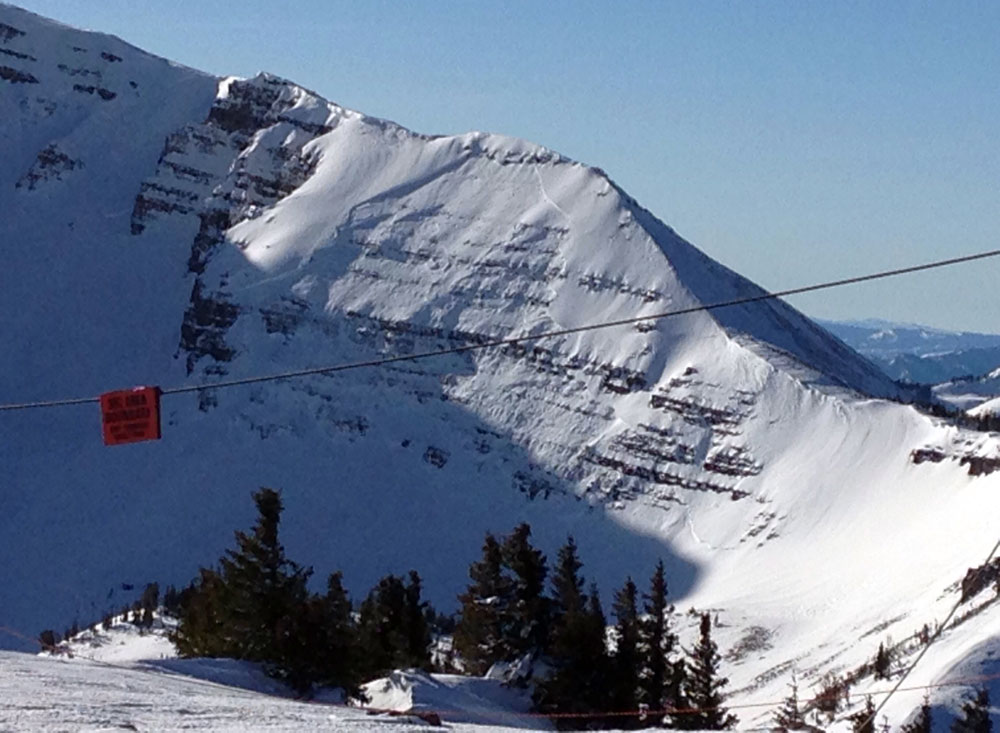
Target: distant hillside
[919, 354]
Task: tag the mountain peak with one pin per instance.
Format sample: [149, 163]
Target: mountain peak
[180, 229]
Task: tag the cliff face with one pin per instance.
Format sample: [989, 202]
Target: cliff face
[167, 227]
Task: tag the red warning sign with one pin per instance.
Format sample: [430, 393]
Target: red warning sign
[131, 415]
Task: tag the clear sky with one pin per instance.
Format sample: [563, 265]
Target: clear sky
[793, 141]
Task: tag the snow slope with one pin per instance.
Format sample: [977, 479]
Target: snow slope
[44, 694]
[250, 226]
[990, 407]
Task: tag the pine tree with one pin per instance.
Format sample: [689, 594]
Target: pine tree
[380, 626]
[202, 629]
[48, 639]
[923, 722]
[576, 656]
[149, 601]
[863, 721]
[594, 656]
[975, 715]
[703, 684]
[480, 637]
[171, 600]
[659, 683]
[789, 716]
[248, 608]
[418, 633]
[264, 584]
[526, 627]
[321, 646]
[341, 652]
[392, 629]
[882, 663]
[625, 665]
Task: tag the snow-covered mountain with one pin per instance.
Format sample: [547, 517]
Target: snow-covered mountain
[919, 354]
[163, 226]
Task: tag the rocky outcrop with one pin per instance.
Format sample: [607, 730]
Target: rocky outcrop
[247, 155]
[50, 165]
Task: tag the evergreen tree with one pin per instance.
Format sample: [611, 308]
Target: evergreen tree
[48, 639]
[789, 716]
[480, 637]
[625, 665]
[392, 627]
[659, 683]
[149, 601]
[526, 626]
[341, 653]
[594, 654]
[832, 692]
[923, 722]
[171, 601]
[249, 608]
[418, 633]
[975, 715]
[576, 656]
[202, 629]
[863, 721]
[882, 663]
[265, 585]
[321, 646]
[703, 685]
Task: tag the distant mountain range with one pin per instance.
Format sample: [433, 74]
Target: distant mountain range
[919, 354]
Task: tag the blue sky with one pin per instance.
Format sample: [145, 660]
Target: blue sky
[793, 141]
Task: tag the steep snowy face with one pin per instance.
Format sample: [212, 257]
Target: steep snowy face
[84, 119]
[173, 228]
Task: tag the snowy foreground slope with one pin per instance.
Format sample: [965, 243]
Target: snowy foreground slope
[162, 226]
[45, 694]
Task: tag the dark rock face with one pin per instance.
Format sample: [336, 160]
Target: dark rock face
[15, 76]
[7, 32]
[213, 171]
[106, 94]
[50, 165]
[978, 465]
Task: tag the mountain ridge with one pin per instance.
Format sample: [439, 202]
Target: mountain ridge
[263, 228]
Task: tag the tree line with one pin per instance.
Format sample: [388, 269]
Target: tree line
[545, 632]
